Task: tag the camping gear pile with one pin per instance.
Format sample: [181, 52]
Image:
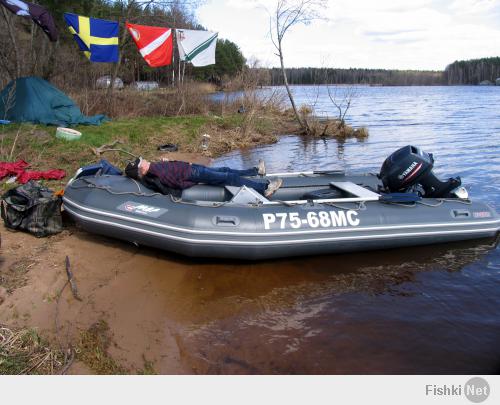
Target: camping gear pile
[34, 208]
[31, 207]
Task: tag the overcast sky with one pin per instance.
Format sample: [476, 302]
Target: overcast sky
[389, 34]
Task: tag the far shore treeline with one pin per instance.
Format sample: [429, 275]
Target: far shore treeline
[458, 73]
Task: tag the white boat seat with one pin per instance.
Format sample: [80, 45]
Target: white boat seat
[355, 190]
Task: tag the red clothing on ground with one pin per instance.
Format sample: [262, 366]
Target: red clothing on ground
[12, 168]
[18, 169]
[55, 174]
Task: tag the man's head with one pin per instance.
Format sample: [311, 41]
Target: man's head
[138, 168]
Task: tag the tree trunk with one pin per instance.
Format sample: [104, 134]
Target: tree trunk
[12, 37]
[123, 37]
[303, 124]
[114, 73]
[50, 64]
[5, 63]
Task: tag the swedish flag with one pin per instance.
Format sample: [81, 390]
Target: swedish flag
[98, 39]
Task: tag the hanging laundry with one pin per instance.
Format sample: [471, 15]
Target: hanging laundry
[37, 13]
[18, 169]
[155, 43]
[98, 39]
[197, 47]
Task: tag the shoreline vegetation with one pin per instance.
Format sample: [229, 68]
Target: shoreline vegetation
[141, 121]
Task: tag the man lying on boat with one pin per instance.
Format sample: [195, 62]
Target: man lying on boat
[169, 175]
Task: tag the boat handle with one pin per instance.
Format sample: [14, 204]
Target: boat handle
[461, 214]
[226, 221]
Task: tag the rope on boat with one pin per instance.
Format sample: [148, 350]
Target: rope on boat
[108, 189]
[138, 193]
[440, 201]
[180, 201]
[360, 206]
[286, 203]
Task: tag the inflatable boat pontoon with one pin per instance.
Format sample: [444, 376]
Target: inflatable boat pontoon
[313, 213]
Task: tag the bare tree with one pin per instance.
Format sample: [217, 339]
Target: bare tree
[287, 14]
[342, 100]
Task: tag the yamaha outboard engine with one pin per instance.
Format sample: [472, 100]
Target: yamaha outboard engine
[410, 166]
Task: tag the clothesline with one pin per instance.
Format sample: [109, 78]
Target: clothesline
[99, 39]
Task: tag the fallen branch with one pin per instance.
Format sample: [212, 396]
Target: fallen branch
[103, 148]
[70, 350]
[71, 280]
[118, 150]
[69, 362]
[14, 144]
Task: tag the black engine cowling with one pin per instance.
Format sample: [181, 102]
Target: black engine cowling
[410, 166]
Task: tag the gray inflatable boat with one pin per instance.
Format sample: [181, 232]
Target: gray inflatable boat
[313, 213]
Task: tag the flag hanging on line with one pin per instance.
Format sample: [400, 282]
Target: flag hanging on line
[197, 47]
[98, 39]
[37, 13]
[155, 43]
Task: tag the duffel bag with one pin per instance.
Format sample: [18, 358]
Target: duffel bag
[32, 208]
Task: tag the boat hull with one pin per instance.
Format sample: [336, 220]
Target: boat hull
[120, 208]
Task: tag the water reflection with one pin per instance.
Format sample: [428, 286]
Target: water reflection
[347, 313]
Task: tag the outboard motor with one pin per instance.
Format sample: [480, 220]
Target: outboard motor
[409, 166]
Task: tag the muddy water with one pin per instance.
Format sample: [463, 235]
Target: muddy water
[419, 310]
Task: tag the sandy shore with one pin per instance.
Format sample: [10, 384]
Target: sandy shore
[130, 288]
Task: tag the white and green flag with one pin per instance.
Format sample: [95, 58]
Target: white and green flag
[197, 47]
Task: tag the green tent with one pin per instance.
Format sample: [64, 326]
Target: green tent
[32, 99]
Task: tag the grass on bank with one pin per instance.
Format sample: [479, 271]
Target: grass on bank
[38, 145]
[93, 350]
[24, 351]
[144, 120]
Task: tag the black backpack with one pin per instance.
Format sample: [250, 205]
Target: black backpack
[32, 208]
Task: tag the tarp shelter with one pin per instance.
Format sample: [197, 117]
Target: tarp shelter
[32, 99]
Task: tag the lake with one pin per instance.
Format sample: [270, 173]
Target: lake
[420, 310]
